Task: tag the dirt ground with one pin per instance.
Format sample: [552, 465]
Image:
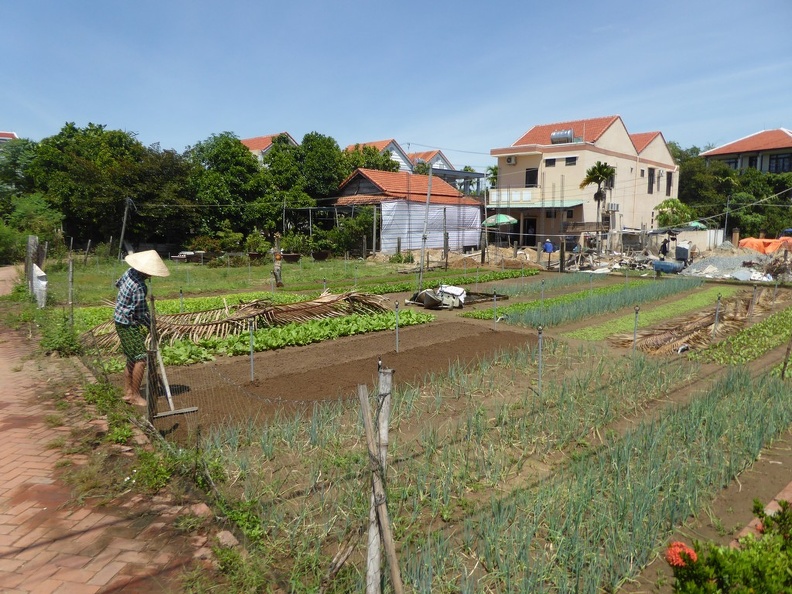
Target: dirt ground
[332, 370]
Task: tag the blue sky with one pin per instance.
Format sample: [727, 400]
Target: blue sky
[462, 76]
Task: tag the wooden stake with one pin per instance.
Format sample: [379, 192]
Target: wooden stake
[379, 493]
[786, 357]
[373, 571]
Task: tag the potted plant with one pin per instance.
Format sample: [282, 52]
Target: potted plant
[293, 245]
[256, 246]
[321, 246]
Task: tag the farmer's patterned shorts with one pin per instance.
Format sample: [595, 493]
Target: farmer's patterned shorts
[133, 342]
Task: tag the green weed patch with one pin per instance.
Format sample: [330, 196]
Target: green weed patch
[649, 317]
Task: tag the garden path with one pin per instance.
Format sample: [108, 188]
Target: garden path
[48, 542]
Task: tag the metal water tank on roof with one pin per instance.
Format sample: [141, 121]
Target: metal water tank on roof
[562, 136]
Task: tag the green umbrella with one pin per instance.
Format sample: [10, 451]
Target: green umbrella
[497, 220]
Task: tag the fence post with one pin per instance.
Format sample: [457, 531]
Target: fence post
[379, 493]
[397, 326]
[494, 307]
[374, 564]
[539, 362]
[635, 328]
[786, 357]
[717, 313]
[71, 293]
[250, 327]
[753, 302]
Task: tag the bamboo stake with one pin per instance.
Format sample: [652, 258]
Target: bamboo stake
[379, 493]
[786, 357]
[373, 568]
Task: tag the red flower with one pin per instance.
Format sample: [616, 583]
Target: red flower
[760, 528]
[678, 554]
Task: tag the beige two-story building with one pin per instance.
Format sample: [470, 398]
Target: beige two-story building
[539, 179]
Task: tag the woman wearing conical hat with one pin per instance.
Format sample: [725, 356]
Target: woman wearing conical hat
[132, 318]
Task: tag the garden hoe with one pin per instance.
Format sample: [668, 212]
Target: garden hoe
[157, 384]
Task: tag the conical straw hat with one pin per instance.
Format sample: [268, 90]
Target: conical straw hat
[148, 262]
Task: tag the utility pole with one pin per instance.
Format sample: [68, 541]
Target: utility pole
[123, 226]
[726, 223]
[425, 230]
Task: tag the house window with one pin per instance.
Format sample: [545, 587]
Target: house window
[549, 162]
[752, 162]
[643, 173]
[569, 161]
[651, 182]
[669, 182]
[731, 163]
[532, 178]
[570, 213]
[550, 214]
[780, 163]
[611, 182]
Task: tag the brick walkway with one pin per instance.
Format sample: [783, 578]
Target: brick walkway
[49, 544]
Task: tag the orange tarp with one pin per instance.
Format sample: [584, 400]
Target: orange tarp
[766, 246]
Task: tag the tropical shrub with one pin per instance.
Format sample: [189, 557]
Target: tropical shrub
[12, 245]
[761, 564]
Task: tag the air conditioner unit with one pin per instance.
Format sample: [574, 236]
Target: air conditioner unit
[511, 160]
[612, 207]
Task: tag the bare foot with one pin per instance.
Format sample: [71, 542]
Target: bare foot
[136, 400]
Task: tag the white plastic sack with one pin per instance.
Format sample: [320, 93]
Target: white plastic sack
[39, 286]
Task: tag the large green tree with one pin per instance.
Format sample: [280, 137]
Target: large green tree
[285, 185]
[225, 180]
[751, 200]
[323, 165]
[368, 157]
[706, 187]
[673, 212]
[16, 156]
[165, 209]
[86, 174]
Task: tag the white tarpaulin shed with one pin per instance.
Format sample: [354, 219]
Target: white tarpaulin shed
[401, 198]
[404, 220]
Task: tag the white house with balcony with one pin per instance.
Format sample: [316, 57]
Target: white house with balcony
[539, 179]
[769, 151]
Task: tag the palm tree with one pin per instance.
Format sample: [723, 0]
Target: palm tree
[599, 174]
[492, 176]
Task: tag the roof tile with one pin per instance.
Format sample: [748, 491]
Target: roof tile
[405, 186]
[261, 143]
[377, 144]
[766, 140]
[588, 130]
[642, 139]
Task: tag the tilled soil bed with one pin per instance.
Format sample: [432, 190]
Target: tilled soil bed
[301, 376]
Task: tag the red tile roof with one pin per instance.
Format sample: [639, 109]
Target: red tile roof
[642, 139]
[766, 140]
[587, 130]
[425, 156]
[262, 143]
[401, 185]
[377, 144]
[9, 135]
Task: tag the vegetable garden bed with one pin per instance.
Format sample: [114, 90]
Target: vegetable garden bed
[495, 483]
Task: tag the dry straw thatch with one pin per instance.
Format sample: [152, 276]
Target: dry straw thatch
[695, 331]
[227, 321]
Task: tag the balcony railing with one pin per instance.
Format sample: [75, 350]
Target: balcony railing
[505, 197]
